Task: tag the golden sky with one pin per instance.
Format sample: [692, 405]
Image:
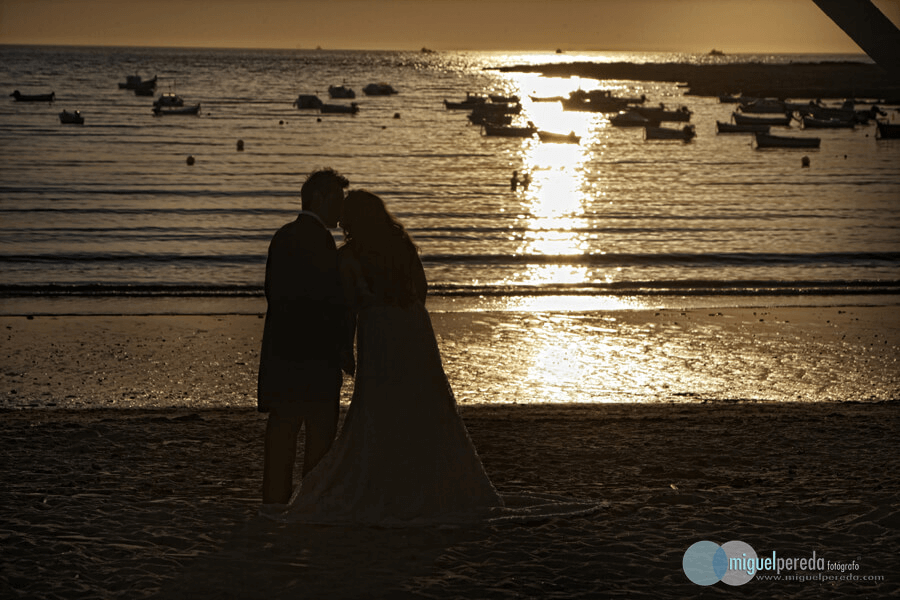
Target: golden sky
[651, 25]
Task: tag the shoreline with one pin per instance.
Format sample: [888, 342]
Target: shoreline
[796, 80]
[536, 356]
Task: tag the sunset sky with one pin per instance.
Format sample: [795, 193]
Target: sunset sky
[661, 25]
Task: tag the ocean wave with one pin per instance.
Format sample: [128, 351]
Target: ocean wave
[692, 287]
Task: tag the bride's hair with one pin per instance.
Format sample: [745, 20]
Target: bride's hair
[365, 217]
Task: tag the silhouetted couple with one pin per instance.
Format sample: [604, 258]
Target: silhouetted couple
[403, 453]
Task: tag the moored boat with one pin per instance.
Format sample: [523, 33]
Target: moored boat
[765, 140]
[813, 123]
[176, 110]
[508, 131]
[661, 113]
[379, 89]
[632, 119]
[135, 81]
[504, 99]
[887, 131]
[308, 101]
[735, 128]
[471, 101]
[600, 101]
[559, 138]
[783, 121]
[763, 106]
[351, 108]
[169, 100]
[546, 98]
[341, 91]
[20, 97]
[686, 133]
[71, 118]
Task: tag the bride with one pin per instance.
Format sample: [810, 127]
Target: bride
[403, 455]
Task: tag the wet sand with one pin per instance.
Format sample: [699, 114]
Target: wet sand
[102, 500]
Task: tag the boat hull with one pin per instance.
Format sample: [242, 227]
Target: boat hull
[764, 140]
[735, 128]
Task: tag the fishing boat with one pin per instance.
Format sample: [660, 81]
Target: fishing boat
[735, 128]
[176, 110]
[20, 97]
[471, 101]
[134, 81]
[351, 108]
[813, 123]
[764, 106]
[783, 121]
[546, 98]
[308, 101]
[508, 131]
[504, 99]
[169, 100]
[661, 113]
[341, 91]
[379, 89]
[887, 131]
[480, 118]
[559, 138]
[599, 101]
[632, 119]
[71, 118]
[765, 140]
[685, 134]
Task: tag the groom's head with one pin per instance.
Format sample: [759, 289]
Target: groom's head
[323, 194]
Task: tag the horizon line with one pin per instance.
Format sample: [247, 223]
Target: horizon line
[423, 49]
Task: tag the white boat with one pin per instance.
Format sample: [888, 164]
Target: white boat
[71, 118]
[686, 133]
[765, 140]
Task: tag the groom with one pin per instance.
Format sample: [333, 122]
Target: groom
[305, 344]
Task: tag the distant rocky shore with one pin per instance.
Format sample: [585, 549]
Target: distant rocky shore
[795, 80]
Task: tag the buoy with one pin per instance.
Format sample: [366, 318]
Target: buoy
[396, 115]
[805, 161]
[240, 145]
[190, 160]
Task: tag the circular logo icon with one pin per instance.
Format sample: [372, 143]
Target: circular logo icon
[706, 563]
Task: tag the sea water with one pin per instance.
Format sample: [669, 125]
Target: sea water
[109, 217]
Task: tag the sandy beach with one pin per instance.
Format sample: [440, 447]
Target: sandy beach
[774, 427]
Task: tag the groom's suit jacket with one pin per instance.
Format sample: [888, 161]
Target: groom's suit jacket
[306, 314]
